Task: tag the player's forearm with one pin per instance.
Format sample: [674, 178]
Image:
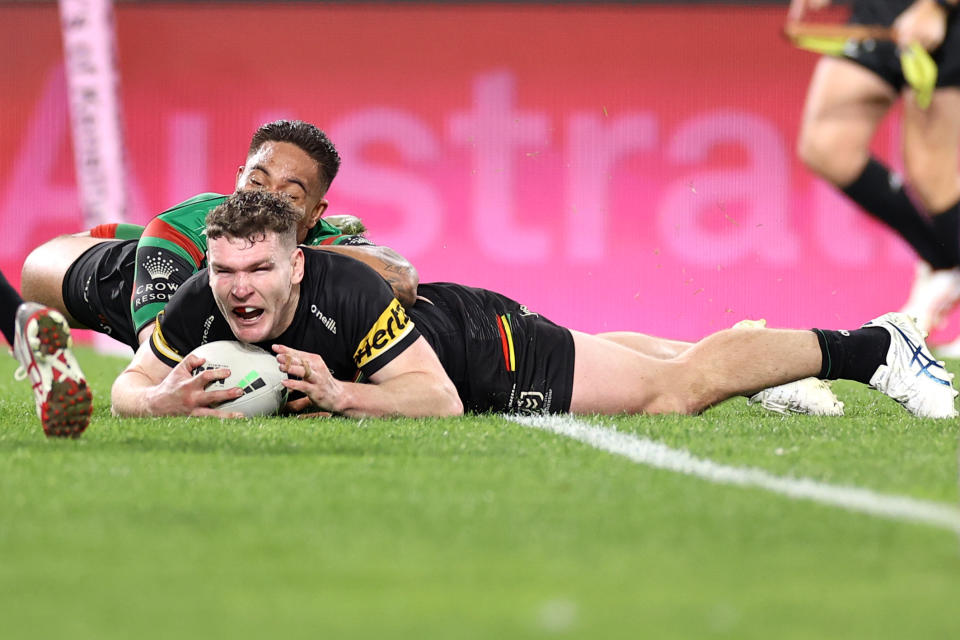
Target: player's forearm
[129, 395]
[392, 267]
[413, 394]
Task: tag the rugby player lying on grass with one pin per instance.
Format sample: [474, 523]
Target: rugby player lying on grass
[117, 287]
[353, 350]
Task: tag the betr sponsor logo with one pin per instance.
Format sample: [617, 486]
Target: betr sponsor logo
[392, 325]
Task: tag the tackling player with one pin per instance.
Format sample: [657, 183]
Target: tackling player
[116, 278]
[333, 323]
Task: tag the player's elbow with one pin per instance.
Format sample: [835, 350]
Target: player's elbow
[120, 407]
[406, 292]
[405, 280]
[446, 400]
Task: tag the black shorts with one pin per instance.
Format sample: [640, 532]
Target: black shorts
[882, 57]
[98, 286]
[501, 356]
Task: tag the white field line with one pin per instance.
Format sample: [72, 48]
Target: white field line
[660, 456]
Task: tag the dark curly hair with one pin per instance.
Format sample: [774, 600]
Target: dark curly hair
[308, 137]
[251, 215]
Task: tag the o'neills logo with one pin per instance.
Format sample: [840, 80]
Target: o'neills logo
[390, 327]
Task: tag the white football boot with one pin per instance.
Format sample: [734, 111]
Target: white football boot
[911, 375]
[933, 294]
[809, 396]
[42, 346]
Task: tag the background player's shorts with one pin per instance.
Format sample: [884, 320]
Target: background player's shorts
[882, 57]
[98, 286]
[501, 356]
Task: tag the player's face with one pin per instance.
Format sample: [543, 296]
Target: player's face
[256, 285]
[282, 167]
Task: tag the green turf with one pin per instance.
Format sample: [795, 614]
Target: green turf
[465, 528]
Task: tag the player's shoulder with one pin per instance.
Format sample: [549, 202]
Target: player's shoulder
[330, 270]
[202, 202]
[194, 288]
[332, 261]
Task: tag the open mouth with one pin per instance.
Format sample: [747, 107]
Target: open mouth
[247, 313]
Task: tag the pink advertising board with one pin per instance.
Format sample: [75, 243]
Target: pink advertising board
[621, 167]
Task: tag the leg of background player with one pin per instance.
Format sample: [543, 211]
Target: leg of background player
[845, 105]
[931, 149]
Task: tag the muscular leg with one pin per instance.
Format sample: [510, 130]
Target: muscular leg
[931, 149]
[728, 363]
[45, 268]
[845, 104]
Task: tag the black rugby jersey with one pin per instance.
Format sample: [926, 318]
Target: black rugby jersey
[346, 314]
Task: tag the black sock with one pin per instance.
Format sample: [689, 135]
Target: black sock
[880, 193]
[947, 227]
[852, 355]
[9, 301]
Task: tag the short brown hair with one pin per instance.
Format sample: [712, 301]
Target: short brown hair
[250, 215]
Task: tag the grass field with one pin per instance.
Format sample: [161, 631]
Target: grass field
[466, 528]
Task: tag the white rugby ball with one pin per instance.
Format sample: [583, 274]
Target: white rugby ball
[252, 369]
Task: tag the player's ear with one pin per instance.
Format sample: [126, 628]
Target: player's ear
[314, 216]
[239, 174]
[296, 258]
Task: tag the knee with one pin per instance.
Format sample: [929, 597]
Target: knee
[830, 157]
[30, 274]
[813, 149]
[689, 402]
[818, 154]
[40, 276]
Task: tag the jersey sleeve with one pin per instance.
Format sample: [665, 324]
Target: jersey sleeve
[171, 248]
[159, 271]
[160, 343]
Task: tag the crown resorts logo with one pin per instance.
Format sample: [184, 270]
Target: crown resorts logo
[157, 267]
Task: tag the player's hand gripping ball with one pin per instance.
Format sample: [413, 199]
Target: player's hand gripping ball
[252, 369]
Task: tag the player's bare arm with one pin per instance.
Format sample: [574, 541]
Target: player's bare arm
[392, 267]
[799, 8]
[413, 384]
[923, 22]
[148, 387]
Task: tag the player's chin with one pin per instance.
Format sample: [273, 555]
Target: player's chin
[251, 331]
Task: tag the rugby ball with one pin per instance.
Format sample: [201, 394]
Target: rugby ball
[252, 369]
